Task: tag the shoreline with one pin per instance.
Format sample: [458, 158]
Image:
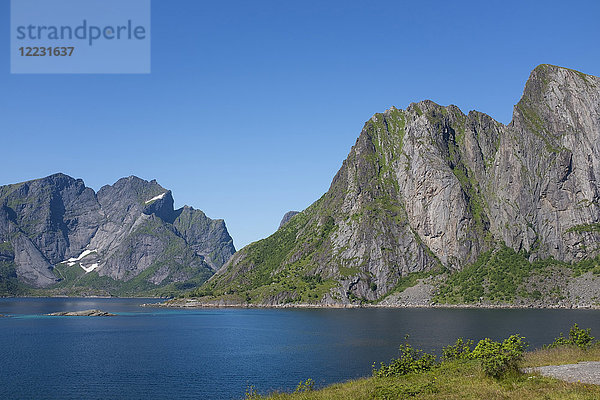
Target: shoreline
[83, 297]
[194, 304]
[197, 305]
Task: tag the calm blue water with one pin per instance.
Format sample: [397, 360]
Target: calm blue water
[153, 353]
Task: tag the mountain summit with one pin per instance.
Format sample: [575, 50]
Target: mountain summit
[127, 239]
[431, 190]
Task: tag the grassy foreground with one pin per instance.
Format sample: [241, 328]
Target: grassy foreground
[464, 379]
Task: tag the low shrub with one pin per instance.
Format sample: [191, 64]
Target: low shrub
[581, 338]
[410, 360]
[498, 359]
[305, 386]
[461, 350]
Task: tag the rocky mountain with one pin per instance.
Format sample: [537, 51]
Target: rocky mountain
[59, 235]
[431, 193]
[286, 217]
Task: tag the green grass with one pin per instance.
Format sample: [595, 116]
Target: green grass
[561, 355]
[458, 380]
[6, 249]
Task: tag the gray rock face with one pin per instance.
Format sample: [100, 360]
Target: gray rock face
[209, 238]
[547, 166]
[430, 187]
[126, 231]
[47, 220]
[31, 266]
[286, 218]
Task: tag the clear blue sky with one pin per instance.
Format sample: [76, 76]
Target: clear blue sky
[252, 106]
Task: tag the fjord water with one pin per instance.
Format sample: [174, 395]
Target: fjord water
[155, 353]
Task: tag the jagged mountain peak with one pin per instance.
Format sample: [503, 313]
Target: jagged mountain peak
[429, 187]
[59, 230]
[550, 88]
[544, 74]
[140, 188]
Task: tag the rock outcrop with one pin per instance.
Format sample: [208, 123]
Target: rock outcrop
[57, 233]
[84, 313]
[286, 218]
[429, 188]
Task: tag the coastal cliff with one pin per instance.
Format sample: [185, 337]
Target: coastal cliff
[477, 211]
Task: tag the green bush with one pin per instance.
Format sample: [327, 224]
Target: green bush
[305, 386]
[251, 393]
[577, 337]
[410, 360]
[461, 350]
[498, 359]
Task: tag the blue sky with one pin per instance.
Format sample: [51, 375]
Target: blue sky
[252, 106]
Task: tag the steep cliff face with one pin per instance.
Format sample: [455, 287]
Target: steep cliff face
[61, 235]
[547, 167]
[46, 220]
[208, 237]
[432, 189]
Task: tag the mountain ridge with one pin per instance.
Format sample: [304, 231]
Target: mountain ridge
[60, 236]
[430, 189]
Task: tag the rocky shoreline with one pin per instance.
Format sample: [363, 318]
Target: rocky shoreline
[194, 303]
[582, 292]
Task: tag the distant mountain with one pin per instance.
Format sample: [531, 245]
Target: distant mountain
[286, 217]
[460, 204]
[58, 235]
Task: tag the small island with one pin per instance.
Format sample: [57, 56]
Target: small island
[84, 313]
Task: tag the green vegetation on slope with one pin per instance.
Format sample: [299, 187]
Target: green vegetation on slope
[495, 276]
[500, 276]
[9, 283]
[584, 228]
[75, 282]
[268, 271]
